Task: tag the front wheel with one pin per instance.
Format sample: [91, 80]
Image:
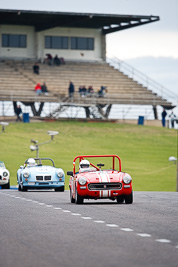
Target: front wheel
[72, 200]
[78, 198]
[129, 198]
[120, 199]
[23, 189]
[6, 186]
[19, 187]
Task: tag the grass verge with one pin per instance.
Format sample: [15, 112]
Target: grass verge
[144, 150]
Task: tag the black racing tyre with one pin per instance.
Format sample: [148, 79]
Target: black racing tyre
[120, 199]
[19, 187]
[6, 186]
[59, 189]
[24, 189]
[78, 198]
[129, 198]
[72, 200]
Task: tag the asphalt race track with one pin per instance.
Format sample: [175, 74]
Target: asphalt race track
[42, 228]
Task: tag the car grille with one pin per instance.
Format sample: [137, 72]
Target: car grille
[43, 178]
[105, 186]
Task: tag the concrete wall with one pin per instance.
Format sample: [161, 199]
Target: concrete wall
[36, 43]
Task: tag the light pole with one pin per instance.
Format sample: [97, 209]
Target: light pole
[176, 121]
[36, 145]
[4, 124]
[175, 160]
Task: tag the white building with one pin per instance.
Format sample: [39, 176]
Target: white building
[74, 36]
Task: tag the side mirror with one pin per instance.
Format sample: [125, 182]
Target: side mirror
[70, 173]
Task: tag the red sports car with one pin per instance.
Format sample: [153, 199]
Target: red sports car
[93, 181]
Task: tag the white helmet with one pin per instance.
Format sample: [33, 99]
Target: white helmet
[31, 162]
[84, 165]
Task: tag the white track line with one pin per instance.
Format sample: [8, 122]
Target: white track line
[112, 225]
[164, 241]
[143, 235]
[127, 229]
[86, 218]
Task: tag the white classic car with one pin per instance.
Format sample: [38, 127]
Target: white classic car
[4, 176]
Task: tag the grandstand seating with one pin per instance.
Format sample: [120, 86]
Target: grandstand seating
[17, 82]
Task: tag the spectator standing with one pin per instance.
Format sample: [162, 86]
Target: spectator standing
[44, 88]
[38, 89]
[172, 117]
[164, 114]
[36, 68]
[18, 111]
[71, 89]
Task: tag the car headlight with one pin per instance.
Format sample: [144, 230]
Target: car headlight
[5, 174]
[26, 174]
[60, 173]
[127, 179]
[82, 180]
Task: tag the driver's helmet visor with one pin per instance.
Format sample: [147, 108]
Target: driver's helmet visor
[84, 166]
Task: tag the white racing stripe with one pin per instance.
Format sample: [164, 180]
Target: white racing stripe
[109, 192]
[105, 193]
[100, 192]
[104, 178]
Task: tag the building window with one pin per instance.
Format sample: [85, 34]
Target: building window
[56, 42]
[14, 40]
[82, 43]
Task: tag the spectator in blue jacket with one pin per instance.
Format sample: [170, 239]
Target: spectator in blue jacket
[71, 89]
[164, 114]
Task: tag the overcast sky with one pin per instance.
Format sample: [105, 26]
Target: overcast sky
[152, 41]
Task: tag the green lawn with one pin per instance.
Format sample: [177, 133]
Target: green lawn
[144, 150]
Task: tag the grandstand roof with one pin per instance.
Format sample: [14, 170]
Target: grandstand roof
[43, 20]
